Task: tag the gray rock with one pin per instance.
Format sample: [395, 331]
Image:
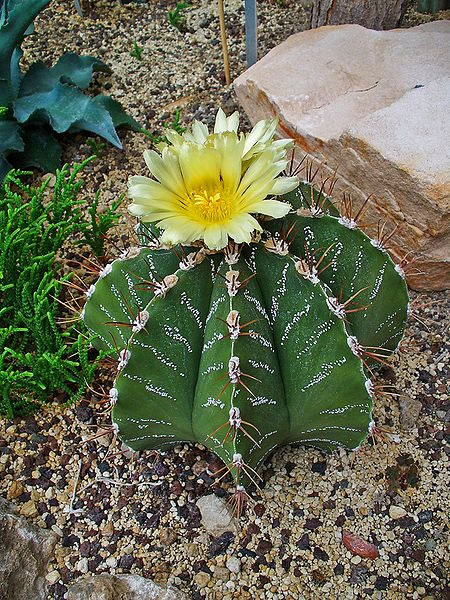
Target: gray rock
[120, 587]
[216, 515]
[25, 551]
[409, 412]
[373, 105]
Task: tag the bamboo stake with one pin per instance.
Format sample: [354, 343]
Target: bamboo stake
[223, 35]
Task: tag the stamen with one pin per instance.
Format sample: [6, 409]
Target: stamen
[212, 207]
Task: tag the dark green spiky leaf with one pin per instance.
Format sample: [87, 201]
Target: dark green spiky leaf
[10, 137]
[70, 68]
[17, 16]
[5, 167]
[115, 109]
[41, 150]
[16, 75]
[67, 108]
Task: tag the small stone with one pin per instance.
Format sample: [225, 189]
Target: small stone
[167, 536]
[15, 490]
[264, 546]
[199, 466]
[234, 564]
[320, 554]
[109, 587]
[108, 529]
[396, 512]
[313, 524]
[126, 561]
[221, 573]
[359, 546]
[220, 544]
[53, 577]
[202, 579]
[29, 509]
[216, 516]
[425, 516]
[381, 583]
[111, 561]
[82, 565]
[409, 412]
[356, 560]
[192, 550]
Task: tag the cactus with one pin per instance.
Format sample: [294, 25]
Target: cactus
[253, 346]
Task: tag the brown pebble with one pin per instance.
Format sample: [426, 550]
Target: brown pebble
[15, 490]
[357, 545]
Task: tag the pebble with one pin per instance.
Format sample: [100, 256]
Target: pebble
[15, 490]
[53, 576]
[29, 509]
[111, 561]
[216, 515]
[202, 579]
[222, 573]
[233, 564]
[396, 512]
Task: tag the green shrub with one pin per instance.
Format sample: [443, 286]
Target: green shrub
[37, 357]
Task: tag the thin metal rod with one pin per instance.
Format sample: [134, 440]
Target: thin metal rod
[223, 36]
[251, 32]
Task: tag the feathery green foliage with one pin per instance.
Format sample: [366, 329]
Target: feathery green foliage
[177, 17]
[37, 357]
[175, 125]
[137, 51]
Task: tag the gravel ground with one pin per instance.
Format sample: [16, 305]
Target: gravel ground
[115, 514]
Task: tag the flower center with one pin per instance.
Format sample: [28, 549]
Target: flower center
[213, 207]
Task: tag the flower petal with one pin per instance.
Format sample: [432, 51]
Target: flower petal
[179, 230]
[271, 208]
[215, 237]
[200, 166]
[241, 227]
[166, 169]
[283, 185]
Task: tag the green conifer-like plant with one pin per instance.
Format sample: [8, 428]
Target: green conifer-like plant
[243, 333]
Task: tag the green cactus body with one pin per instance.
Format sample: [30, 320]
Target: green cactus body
[254, 347]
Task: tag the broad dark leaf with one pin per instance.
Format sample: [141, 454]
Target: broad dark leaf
[118, 115]
[5, 167]
[70, 68]
[10, 138]
[41, 150]
[66, 107]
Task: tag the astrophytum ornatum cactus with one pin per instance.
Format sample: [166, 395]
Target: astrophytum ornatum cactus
[254, 346]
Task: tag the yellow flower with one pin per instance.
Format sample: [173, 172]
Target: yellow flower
[208, 184]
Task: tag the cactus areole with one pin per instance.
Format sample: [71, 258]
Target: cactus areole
[261, 331]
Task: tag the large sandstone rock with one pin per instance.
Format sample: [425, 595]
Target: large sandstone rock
[375, 106]
[120, 587]
[25, 551]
